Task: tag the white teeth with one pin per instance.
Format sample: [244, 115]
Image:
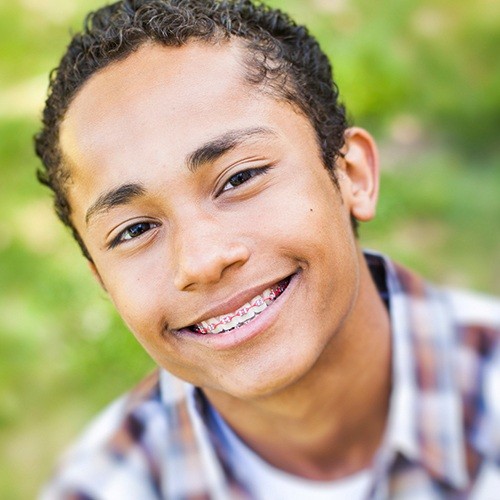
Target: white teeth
[244, 314]
[260, 306]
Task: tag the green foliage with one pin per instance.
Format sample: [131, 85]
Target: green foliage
[422, 75]
[434, 58]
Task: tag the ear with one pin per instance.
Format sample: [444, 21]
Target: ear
[358, 174]
[95, 273]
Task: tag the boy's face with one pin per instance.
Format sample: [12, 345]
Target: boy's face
[204, 203]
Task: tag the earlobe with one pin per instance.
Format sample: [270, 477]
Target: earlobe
[95, 273]
[360, 174]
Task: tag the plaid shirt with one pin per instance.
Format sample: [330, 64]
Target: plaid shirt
[442, 442]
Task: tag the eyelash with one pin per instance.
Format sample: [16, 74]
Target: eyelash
[125, 235]
[249, 173]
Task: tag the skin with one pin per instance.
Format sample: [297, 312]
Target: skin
[206, 243]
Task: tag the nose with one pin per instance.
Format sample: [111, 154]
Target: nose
[204, 253]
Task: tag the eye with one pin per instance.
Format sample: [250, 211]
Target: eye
[133, 231]
[243, 176]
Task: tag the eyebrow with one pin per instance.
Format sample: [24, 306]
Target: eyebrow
[113, 198]
[213, 150]
[208, 152]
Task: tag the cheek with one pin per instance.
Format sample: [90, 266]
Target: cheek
[313, 218]
[136, 292]
[300, 203]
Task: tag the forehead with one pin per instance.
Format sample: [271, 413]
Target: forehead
[191, 77]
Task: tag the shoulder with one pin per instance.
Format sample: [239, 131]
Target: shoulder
[476, 321]
[471, 308]
[455, 337]
[114, 457]
[477, 324]
[118, 418]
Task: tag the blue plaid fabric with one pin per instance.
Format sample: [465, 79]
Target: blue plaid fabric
[443, 433]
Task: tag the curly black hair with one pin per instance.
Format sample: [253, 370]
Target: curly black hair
[281, 56]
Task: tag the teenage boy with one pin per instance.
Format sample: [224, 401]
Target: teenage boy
[198, 151]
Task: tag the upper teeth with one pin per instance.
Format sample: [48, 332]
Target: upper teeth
[255, 306]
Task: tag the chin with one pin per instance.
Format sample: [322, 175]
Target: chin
[268, 379]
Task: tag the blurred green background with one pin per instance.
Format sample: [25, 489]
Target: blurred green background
[422, 75]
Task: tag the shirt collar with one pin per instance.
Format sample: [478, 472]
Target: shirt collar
[425, 418]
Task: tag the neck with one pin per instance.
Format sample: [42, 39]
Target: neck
[330, 423]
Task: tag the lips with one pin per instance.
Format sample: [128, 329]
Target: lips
[245, 314]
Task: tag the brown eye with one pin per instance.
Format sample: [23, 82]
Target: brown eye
[240, 178]
[243, 176]
[133, 231]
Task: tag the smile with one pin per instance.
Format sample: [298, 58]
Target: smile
[245, 314]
